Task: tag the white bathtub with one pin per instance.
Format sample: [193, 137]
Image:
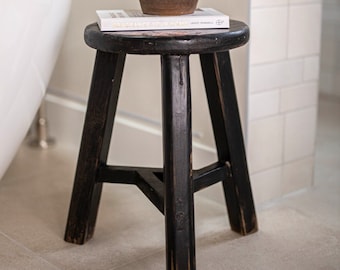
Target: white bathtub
[30, 37]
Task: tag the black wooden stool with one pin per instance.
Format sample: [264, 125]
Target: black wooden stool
[171, 188]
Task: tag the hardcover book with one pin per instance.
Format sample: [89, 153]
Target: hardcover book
[124, 20]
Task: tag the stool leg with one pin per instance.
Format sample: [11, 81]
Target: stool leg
[94, 147]
[179, 208]
[224, 112]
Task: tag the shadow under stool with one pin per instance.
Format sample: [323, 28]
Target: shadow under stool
[170, 188]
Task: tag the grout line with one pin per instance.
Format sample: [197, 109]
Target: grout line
[20, 245]
[139, 259]
[284, 113]
[285, 162]
[279, 201]
[285, 59]
[268, 6]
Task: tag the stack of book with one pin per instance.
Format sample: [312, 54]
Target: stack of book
[125, 20]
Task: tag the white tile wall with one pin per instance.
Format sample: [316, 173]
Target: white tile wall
[297, 175]
[304, 1]
[275, 75]
[300, 131]
[268, 3]
[265, 147]
[304, 30]
[283, 92]
[275, 33]
[264, 104]
[266, 185]
[299, 96]
[311, 68]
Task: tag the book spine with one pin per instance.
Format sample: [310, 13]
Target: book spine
[185, 23]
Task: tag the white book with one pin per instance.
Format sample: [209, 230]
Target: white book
[124, 20]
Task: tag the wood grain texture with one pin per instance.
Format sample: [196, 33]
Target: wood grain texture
[94, 147]
[177, 152]
[179, 42]
[224, 112]
[171, 188]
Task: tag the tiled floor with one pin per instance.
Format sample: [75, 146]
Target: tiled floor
[301, 231]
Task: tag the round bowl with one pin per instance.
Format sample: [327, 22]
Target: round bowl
[168, 7]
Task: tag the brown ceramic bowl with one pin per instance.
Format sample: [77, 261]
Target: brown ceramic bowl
[168, 7]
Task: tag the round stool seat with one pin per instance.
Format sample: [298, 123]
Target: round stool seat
[193, 41]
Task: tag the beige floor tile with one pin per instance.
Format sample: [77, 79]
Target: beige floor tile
[129, 228]
[301, 231]
[287, 240]
[15, 257]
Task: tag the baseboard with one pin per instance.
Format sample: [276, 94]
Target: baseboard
[135, 141]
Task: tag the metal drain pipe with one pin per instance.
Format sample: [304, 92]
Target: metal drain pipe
[42, 139]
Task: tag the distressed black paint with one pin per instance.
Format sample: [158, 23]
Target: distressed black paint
[170, 188]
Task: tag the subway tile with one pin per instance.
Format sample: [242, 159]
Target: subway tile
[266, 185]
[300, 131]
[304, 30]
[268, 41]
[15, 256]
[311, 68]
[268, 3]
[265, 148]
[299, 96]
[263, 104]
[275, 75]
[292, 2]
[297, 175]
